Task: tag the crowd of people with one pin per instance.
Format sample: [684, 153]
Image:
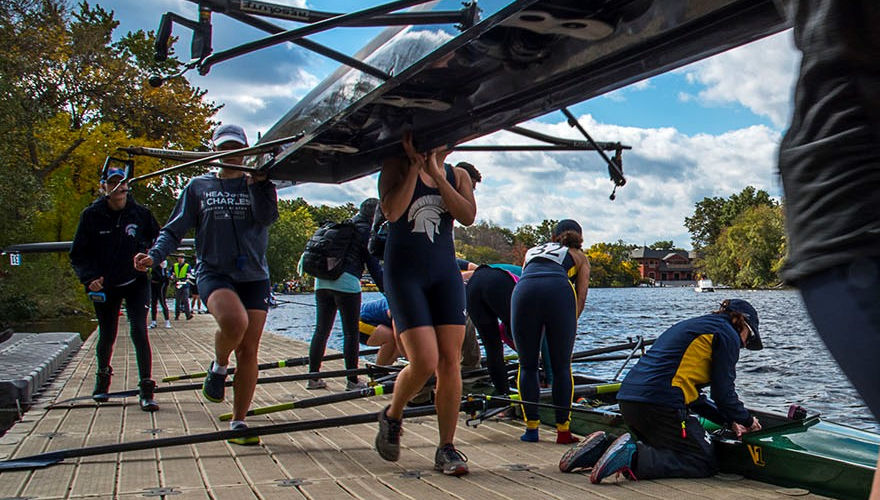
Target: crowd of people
[832, 224]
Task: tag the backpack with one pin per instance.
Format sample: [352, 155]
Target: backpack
[328, 250]
[378, 235]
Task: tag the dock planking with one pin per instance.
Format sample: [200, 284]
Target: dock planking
[323, 463]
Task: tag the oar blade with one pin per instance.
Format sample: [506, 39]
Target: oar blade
[29, 463]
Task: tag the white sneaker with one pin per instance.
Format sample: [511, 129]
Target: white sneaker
[167, 323]
[152, 324]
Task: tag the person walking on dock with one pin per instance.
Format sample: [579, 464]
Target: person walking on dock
[830, 168]
[232, 212]
[180, 271]
[110, 232]
[158, 289]
[421, 196]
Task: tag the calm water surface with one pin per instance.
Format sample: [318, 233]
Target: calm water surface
[794, 366]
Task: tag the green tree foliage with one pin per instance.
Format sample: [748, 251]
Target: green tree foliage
[712, 215]
[485, 243]
[610, 265]
[287, 239]
[69, 96]
[662, 245]
[749, 252]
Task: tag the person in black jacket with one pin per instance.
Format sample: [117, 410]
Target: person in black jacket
[111, 231]
[344, 294]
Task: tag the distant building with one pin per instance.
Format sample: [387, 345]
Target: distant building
[662, 266]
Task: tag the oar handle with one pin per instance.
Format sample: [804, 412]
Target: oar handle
[378, 390]
[284, 363]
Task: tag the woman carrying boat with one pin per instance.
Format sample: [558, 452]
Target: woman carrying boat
[110, 232]
[344, 294]
[547, 302]
[420, 197]
[662, 390]
[231, 212]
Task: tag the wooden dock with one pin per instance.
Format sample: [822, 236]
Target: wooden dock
[329, 463]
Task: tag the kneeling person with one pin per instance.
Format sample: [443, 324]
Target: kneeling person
[376, 330]
[660, 392]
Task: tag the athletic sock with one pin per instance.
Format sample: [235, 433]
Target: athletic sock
[531, 434]
[563, 434]
[218, 368]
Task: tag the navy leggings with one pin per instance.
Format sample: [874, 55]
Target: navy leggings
[844, 304]
[488, 301]
[137, 301]
[349, 306]
[544, 303]
[157, 297]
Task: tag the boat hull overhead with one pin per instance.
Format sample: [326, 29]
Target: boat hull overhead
[523, 61]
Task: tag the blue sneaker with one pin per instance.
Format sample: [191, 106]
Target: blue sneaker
[214, 386]
[586, 453]
[617, 458]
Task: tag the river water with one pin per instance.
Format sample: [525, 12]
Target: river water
[793, 367]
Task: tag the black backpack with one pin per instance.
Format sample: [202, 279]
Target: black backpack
[378, 235]
[329, 249]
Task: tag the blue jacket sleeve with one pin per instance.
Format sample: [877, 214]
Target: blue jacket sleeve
[184, 217]
[264, 202]
[725, 354]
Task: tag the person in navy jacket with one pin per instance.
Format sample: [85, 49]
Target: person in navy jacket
[661, 394]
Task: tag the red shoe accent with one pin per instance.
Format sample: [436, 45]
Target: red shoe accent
[565, 437]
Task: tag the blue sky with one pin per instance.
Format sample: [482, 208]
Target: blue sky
[708, 129]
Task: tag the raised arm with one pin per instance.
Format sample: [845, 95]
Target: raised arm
[264, 200]
[459, 199]
[397, 181]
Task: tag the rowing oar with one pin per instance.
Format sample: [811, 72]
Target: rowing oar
[514, 399]
[369, 370]
[284, 363]
[596, 359]
[54, 457]
[377, 390]
[613, 348]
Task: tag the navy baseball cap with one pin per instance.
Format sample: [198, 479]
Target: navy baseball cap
[753, 343]
[114, 172]
[230, 132]
[567, 225]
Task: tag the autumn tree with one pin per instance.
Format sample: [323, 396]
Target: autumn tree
[749, 252]
[69, 96]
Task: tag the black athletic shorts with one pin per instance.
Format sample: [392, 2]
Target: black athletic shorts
[253, 294]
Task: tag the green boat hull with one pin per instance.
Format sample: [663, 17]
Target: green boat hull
[823, 457]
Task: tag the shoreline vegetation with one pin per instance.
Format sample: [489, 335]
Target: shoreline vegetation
[62, 118]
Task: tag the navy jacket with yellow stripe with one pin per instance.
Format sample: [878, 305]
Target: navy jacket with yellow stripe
[687, 357]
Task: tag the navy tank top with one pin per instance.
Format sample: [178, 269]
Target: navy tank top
[426, 223]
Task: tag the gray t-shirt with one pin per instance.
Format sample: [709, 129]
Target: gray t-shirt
[232, 220]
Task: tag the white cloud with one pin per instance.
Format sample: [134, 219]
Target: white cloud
[759, 76]
[620, 94]
[667, 173]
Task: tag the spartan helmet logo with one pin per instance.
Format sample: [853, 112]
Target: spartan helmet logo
[131, 230]
[425, 213]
